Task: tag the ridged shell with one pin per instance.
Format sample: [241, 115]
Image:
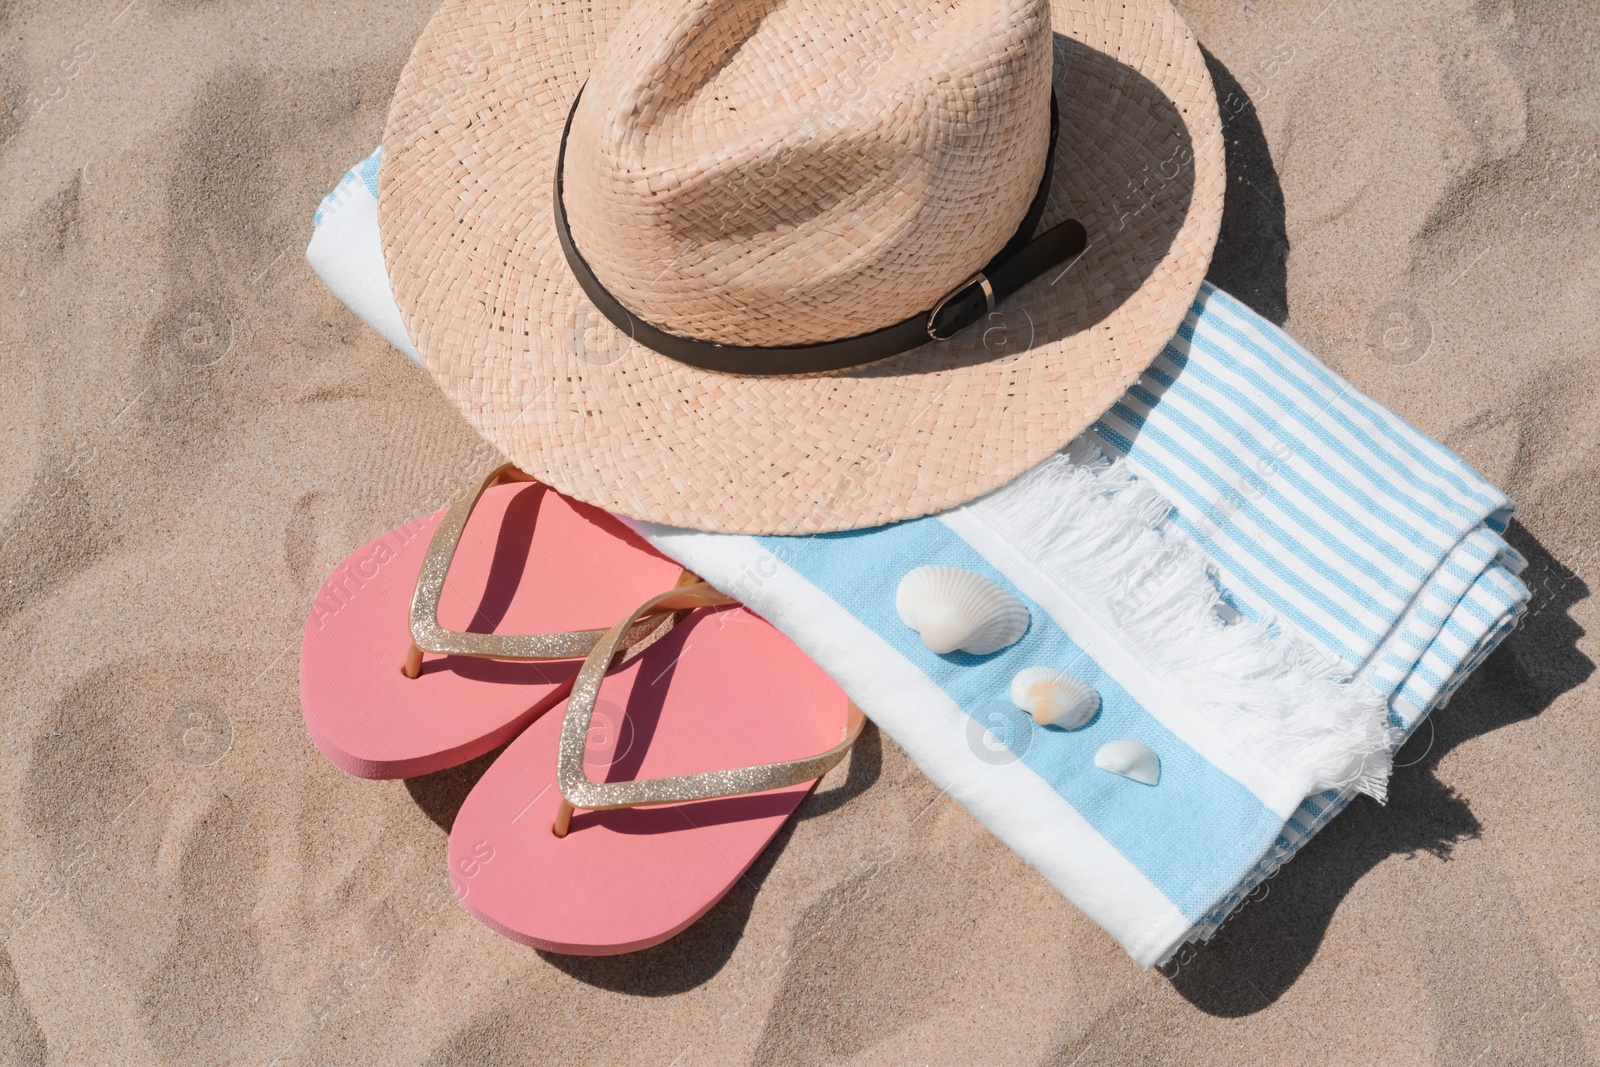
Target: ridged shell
[955, 609]
[1131, 759]
[1054, 698]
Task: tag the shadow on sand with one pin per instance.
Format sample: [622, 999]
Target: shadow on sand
[1264, 948]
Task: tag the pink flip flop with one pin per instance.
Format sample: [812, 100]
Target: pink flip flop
[535, 577]
[617, 826]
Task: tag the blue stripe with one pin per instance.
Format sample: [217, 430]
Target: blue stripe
[1422, 703]
[1288, 575]
[1180, 387]
[1478, 611]
[1506, 587]
[1210, 826]
[369, 171]
[1429, 618]
[365, 172]
[1306, 523]
[1421, 671]
[1243, 506]
[1504, 599]
[1453, 627]
[1220, 556]
[1382, 419]
[1312, 423]
[1460, 573]
[1403, 665]
[1310, 455]
[1412, 638]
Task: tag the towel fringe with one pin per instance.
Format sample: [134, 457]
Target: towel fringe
[1106, 539]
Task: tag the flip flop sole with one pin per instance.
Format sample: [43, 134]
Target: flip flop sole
[723, 690]
[530, 561]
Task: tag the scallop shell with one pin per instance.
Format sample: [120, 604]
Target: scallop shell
[1131, 759]
[956, 609]
[1054, 698]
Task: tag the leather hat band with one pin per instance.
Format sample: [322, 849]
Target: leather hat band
[1023, 259]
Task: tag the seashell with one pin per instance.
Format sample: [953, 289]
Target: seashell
[1131, 759]
[956, 609]
[1054, 698]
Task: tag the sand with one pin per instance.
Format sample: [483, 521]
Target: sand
[195, 432]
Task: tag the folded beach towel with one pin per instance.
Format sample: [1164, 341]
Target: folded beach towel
[1268, 578]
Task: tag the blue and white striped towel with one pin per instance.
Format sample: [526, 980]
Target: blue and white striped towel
[1268, 578]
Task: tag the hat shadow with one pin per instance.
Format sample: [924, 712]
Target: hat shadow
[1139, 198]
[1264, 947]
[1251, 261]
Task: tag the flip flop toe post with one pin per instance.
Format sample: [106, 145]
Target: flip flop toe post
[616, 826]
[441, 640]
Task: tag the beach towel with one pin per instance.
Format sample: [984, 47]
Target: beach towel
[1267, 577]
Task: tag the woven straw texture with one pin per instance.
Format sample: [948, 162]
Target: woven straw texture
[479, 276]
[901, 156]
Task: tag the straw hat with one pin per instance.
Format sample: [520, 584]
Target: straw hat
[753, 190]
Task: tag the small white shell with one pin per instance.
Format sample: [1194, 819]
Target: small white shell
[1131, 759]
[1053, 697]
[956, 609]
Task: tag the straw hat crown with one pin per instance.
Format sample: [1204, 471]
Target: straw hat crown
[782, 173]
[767, 173]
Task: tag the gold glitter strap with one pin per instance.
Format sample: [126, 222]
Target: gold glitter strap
[578, 790]
[428, 636]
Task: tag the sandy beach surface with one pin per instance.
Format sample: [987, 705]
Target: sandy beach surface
[195, 432]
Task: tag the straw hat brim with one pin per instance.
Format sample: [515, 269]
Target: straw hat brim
[486, 294]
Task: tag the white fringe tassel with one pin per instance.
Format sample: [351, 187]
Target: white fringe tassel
[1104, 537]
